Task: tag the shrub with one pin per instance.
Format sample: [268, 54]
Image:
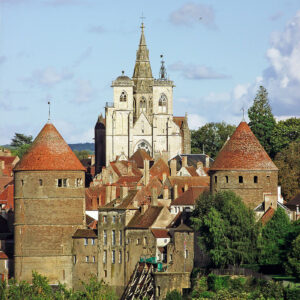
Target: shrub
[173, 295]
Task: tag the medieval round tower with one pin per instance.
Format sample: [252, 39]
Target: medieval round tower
[49, 208]
[244, 167]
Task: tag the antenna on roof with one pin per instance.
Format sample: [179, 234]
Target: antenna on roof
[243, 109]
[49, 112]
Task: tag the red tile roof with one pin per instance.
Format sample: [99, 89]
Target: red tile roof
[190, 196]
[145, 220]
[159, 167]
[243, 152]
[192, 170]
[139, 156]
[4, 181]
[160, 233]
[49, 151]
[267, 216]
[178, 121]
[130, 180]
[9, 163]
[7, 197]
[3, 255]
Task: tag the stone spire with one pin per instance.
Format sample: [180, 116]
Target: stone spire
[142, 70]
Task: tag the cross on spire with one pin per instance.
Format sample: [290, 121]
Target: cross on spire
[142, 18]
[49, 112]
[243, 109]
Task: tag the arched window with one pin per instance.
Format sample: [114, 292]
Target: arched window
[143, 104]
[162, 103]
[123, 97]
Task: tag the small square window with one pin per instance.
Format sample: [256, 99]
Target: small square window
[65, 182]
[104, 256]
[255, 179]
[78, 182]
[241, 179]
[104, 237]
[113, 256]
[137, 241]
[114, 219]
[216, 179]
[86, 242]
[93, 242]
[226, 178]
[104, 219]
[86, 259]
[40, 182]
[59, 182]
[93, 259]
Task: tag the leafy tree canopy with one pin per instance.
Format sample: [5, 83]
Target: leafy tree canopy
[227, 228]
[211, 137]
[262, 121]
[83, 154]
[288, 163]
[273, 238]
[21, 139]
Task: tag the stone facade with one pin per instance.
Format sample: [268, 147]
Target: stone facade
[141, 115]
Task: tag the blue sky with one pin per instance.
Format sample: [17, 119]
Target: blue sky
[217, 53]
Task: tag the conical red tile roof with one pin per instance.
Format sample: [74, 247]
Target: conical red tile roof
[49, 152]
[243, 152]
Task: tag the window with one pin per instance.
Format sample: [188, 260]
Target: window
[78, 182]
[62, 182]
[105, 273]
[59, 182]
[104, 219]
[104, 256]
[143, 104]
[226, 178]
[114, 219]
[162, 103]
[120, 257]
[93, 242]
[268, 179]
[86, 242]
[255, 179]
[216, 179]
[74, 259]
[137, 241]
[104, 237]
[94, 259]
[186, 254]
[171, 257]
[113, 237]
[113, 256]
[86, 259]
[123, 97]
[22, 182]
[120, 237]
[41, 182]
[241, 179]
[145, 241]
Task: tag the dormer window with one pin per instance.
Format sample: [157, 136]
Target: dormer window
[123, 97]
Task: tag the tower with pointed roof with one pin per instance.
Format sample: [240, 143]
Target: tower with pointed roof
[49, 208]
[243, 166]
[141, 115]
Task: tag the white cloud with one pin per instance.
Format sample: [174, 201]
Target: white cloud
[84, 91]
[48, 77]
[195, 121]
[191, 13]
[192, 71]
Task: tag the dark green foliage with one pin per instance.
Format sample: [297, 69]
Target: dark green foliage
[173, 295]
[83, 154]
[216, 283]
[41, 290]
[20, 139]
[228, 231]
[285, 132]
[273, 239]
[83, 146]
[211, 137]
[293, 263]
[288, 162]
[262, 122]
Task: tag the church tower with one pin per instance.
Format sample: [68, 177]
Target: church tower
[141, 114]
[49, 207]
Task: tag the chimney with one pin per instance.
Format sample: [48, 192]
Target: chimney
[166, 192]
[129, 168]
[144, 207]
[186, 187]
[184, 161]
[94, 203]
[113, 192]
[175, 191]
[154, 197]
[206, 161]
[107, 194]
[173, 167]
[146, 171]
[123, 191]
[164, 177]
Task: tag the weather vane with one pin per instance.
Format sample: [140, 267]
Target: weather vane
[243, 109]
[142, 18]
[49, 111]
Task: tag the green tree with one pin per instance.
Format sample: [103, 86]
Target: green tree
[288, 163]
[211, 137]
[20, 139]
[173, 295]
[293, 258]
[273, 239]
[285, 132]
[83, 154]
[262, 122]
[227, 228]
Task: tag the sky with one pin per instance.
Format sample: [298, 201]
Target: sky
[217, 53]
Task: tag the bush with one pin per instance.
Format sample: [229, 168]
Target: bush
[216, 283]
[173, 295]
[207, 295]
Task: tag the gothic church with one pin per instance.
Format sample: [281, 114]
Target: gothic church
[141, 115]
